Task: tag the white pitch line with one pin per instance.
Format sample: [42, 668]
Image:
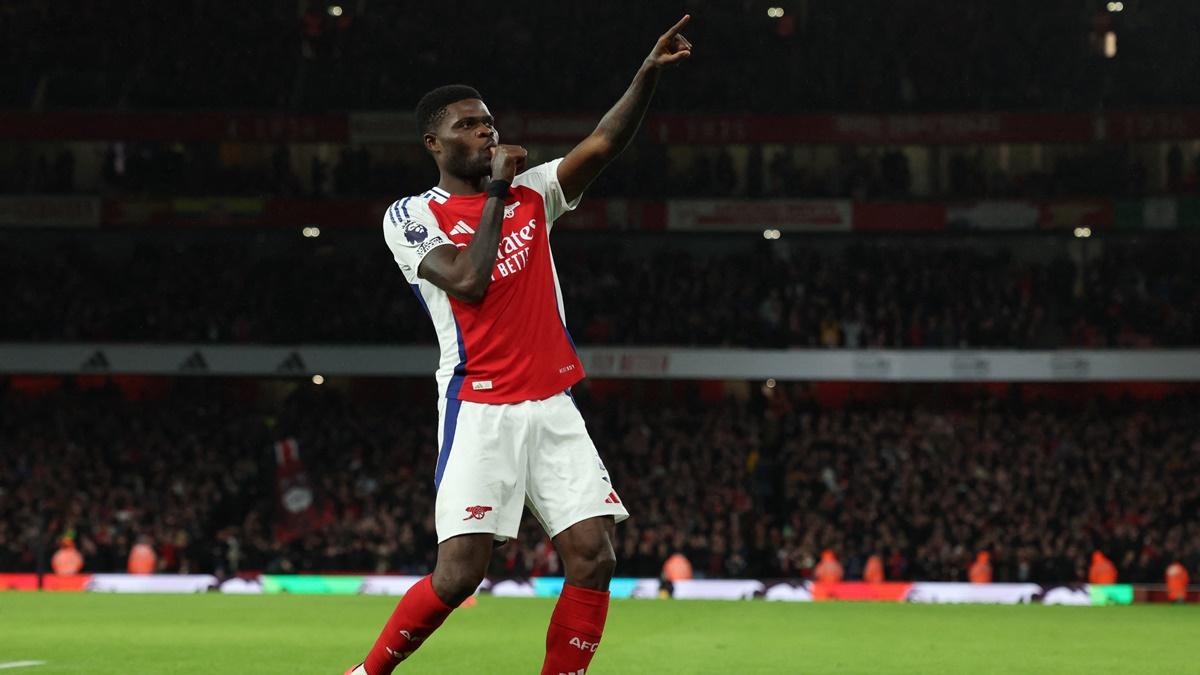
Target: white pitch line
[20, 664]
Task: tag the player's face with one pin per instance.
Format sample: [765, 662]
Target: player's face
[465, 137]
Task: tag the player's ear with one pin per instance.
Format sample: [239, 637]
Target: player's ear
[431, 143]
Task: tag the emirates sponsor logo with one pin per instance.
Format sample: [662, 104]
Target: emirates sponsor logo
[513, 253]
[517, 240]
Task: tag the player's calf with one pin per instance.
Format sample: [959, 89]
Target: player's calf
[578, 620]
[462, 562]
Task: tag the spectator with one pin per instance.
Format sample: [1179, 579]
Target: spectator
[873, 572]
[829, 570]
[1102, 570]
[1177, 582]
[142, 559]
[677, 568]
[981, 569]
[67, 559]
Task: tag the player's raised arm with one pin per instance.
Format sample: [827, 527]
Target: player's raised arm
[584, 163]
[466, 274]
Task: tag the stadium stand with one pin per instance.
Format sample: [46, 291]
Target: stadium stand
[755, 486]
[833, 56]
[802, 292]
[363, 170]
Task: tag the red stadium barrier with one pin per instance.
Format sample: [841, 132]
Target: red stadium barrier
[73, 583]
[856, 590]
[898, 217]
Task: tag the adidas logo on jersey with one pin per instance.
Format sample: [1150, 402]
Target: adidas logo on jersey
[462, 228]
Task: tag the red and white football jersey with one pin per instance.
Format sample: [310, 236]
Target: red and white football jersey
[514, 345]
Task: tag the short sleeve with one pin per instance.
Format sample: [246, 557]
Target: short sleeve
[543, 179]
[411, 232]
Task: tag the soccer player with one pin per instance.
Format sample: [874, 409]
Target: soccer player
[476, 251]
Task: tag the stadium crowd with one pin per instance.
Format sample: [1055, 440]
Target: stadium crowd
[791, 293]
[754, 486]
[646, 171]
[370, 55]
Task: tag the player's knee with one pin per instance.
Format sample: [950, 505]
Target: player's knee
[606, 564]
[592, 567]
[454, 582]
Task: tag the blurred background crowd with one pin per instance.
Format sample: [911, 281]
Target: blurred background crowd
[650, 172]
[818, 55]
[753, 485]
[723, 291]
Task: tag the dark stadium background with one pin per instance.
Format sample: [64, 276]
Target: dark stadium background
[190, 195]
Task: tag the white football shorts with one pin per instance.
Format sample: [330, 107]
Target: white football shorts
[496, 459]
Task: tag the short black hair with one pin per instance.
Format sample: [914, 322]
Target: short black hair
[432, 106]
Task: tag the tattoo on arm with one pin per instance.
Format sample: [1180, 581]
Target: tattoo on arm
[620, 124]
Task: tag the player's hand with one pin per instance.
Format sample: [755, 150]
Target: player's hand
[672, 47]
[507, 161]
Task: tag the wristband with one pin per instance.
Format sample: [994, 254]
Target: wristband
[498, 188]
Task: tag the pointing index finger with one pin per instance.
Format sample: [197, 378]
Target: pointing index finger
[674, 30]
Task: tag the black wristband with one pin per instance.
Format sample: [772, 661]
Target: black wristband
[498, 188]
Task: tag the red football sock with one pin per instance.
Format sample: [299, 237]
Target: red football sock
[419, 613]
[575, 630]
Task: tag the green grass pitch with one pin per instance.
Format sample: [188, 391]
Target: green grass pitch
[99, 634]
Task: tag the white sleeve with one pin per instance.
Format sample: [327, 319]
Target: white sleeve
[543, 179]
[411, 231]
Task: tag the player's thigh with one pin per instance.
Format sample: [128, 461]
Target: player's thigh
[480, 479]
[567, 481]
